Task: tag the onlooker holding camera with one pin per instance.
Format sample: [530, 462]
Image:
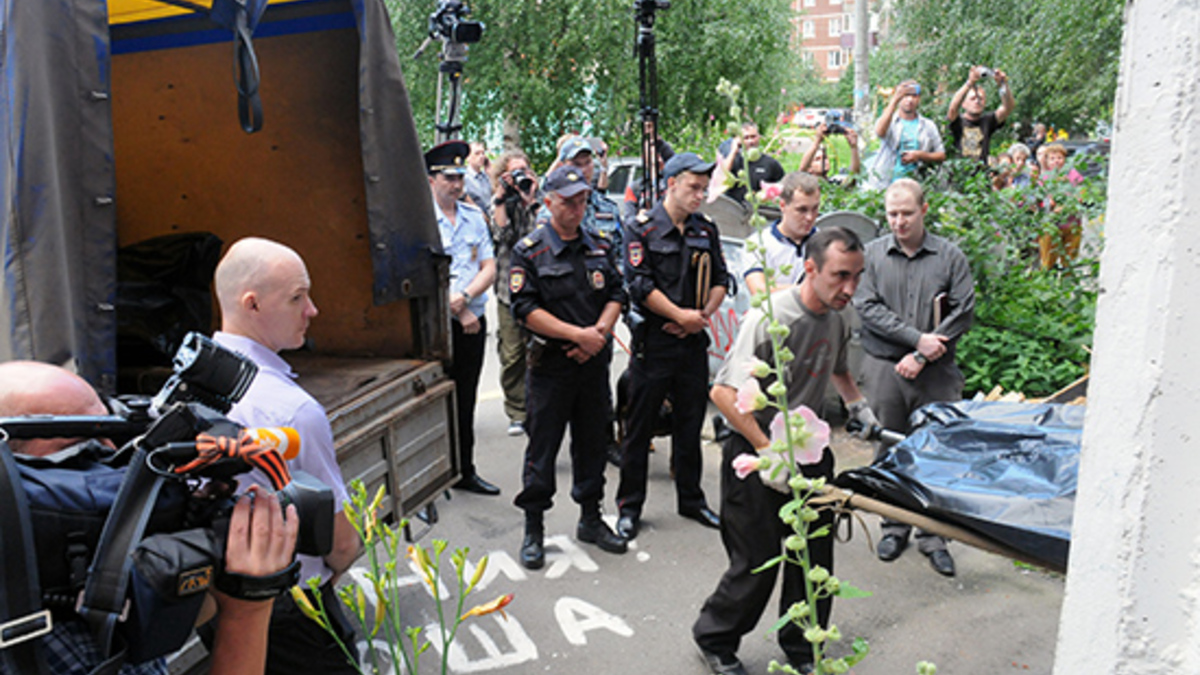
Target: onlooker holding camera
[816, 158]
[732, 156]
[909, 140]
[263, 288]
[972, 130]
[516, 202]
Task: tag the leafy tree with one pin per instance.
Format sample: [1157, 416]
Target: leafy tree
[1061, 57]
[547, 66]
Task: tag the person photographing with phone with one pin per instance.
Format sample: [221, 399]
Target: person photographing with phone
[909, 141]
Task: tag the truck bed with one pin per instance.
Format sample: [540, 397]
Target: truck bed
[391, 422]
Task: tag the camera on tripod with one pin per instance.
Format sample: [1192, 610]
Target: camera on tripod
[449, 23]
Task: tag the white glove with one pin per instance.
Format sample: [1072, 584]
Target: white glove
[860, 411]
[780, 482]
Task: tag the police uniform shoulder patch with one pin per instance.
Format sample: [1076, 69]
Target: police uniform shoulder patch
[636, 255]
[597, 279]
[516, 279]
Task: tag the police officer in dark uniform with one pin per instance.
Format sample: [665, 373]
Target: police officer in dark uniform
[676, 277]
[566, 292]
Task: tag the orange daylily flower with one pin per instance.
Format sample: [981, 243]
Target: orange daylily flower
[496, 605]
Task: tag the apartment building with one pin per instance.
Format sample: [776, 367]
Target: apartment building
[824, 34]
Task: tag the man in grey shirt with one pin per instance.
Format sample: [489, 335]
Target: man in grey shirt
[476, 183]
[916, 299]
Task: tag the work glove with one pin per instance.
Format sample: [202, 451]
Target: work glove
[860, 411]
[781, 475]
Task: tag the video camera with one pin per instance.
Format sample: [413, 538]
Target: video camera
[448, 23]
[129, 540]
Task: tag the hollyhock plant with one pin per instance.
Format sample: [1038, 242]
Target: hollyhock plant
[796, 436]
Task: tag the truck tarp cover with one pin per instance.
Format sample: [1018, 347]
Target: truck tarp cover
[59, 233]
[1004, 470]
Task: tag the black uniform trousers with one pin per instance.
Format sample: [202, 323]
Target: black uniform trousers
[559, 393]
[753, 534]
[465, 369]
[894, 399]
[679, 367]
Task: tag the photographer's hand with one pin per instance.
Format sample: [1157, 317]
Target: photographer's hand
[261, 542]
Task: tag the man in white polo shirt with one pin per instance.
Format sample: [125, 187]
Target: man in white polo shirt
[262, 287]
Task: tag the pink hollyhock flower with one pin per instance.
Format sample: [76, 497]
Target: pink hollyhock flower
[771, 191]
[745, 464]
[810, 434]
[750, 397]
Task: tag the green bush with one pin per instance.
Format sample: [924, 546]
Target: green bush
[1032, 326]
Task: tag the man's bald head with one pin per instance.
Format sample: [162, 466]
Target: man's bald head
[262, 288]
[33, 388]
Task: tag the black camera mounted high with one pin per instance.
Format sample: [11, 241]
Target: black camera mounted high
[448, 23]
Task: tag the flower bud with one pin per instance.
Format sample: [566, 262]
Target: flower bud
[753, 154]
[761, 369]
[777, 389]
[795, 543]
[814, 634]
[818, 574]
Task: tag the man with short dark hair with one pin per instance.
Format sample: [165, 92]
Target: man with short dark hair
[567, 293]
[762, 169]
[972, 130]
[784, 239]
[476, 183]
[917, 298]
[676, 276]
[262, 288]
[751, 529]
[908, 140]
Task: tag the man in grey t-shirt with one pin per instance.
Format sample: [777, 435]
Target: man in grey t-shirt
[750, 525]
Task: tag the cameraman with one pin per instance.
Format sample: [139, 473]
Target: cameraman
[260, 541]
[516, 199]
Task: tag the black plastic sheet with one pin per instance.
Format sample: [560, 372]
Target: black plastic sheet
[1004, 470]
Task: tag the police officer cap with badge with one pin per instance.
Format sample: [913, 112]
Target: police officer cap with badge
[449, 158]
[566, 292]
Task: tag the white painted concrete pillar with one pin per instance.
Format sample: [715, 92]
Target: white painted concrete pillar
[1133, 587]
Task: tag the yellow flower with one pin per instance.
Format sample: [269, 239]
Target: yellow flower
[496, 605]
[306, 606]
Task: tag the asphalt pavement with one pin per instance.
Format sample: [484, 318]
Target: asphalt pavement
[589, 612]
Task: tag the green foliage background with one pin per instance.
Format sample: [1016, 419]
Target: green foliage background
[1061, 56]
[549, 65]
[1033, 327]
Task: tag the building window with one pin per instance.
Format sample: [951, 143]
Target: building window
[807, 29]
[837, 59]
[835, 2]
[810, 3]
[835, 26]
[808, 58]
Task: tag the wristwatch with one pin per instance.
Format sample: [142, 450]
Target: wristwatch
[920, 358]
[466, 295]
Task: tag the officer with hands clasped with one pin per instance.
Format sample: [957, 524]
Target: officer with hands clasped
[566, 291]
[676, 276]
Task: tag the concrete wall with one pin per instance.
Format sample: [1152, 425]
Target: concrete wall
[1133, 588]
